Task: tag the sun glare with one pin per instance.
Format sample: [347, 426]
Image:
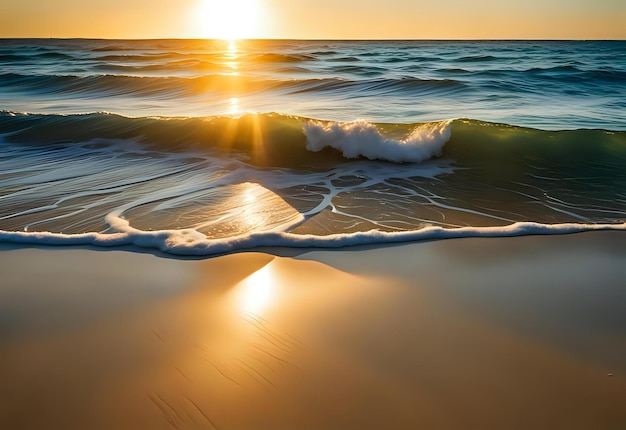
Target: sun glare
[257, 291]
[227, 19]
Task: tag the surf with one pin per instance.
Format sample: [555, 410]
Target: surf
[199, 186]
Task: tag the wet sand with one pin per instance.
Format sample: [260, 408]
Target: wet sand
[511, 333]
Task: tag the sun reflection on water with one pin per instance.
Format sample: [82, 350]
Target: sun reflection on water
[231, 55]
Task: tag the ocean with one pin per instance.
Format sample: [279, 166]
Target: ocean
[196, 147]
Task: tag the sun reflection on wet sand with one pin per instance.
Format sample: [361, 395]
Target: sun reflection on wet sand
[256, 292]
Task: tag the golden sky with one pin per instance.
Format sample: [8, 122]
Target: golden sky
[319, 19]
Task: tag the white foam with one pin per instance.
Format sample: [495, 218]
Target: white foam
[190, 242]
[363, 139]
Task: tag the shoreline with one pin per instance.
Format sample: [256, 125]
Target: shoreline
[517, 332]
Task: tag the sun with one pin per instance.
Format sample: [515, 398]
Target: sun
[227, 19]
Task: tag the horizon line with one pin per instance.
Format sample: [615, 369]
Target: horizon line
[260, 39]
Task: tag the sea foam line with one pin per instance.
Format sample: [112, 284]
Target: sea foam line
[192, 243]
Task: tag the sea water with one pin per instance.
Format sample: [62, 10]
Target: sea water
[202, 147]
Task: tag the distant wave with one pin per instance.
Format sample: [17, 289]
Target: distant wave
[166, 68]
[121, 84]
[476, 58]
[172, 56]
[156, 81]
[282, 58]
[30, 57]
[110, 48]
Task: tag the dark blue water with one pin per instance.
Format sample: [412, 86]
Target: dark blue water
[553, 85]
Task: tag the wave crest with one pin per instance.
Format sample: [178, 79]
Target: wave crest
[363, 139]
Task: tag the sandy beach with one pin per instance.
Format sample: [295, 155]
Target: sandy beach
[511, 333]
